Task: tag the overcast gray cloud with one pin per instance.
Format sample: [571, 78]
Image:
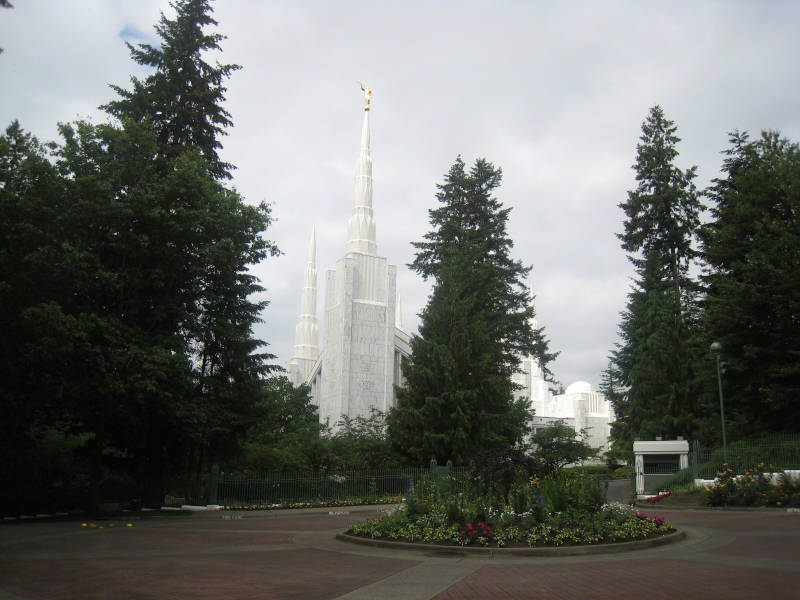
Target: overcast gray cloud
[553, 93]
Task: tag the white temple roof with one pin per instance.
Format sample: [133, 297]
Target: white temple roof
[579, 387]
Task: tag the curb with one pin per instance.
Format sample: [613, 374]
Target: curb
[502, 552]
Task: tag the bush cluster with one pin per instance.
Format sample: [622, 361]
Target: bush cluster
[561, 509]
[753, 488]
[333, 503]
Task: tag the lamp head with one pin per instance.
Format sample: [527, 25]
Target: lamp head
[716, 347]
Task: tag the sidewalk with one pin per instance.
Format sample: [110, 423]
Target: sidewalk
[292, 554]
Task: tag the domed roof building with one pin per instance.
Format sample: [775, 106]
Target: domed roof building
[579, 406]
[579, 387]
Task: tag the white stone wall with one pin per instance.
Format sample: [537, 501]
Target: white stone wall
[358, 368]
[337, 343]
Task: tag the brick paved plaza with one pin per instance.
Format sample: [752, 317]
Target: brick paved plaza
[292, 554]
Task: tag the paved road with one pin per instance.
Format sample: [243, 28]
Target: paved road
[289, 554]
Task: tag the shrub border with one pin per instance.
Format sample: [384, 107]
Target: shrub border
[669, 538]
[299, 505]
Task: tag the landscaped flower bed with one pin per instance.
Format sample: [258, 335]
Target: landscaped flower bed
[556, 511]
[753, 488]
[315, 504]
[659, 496]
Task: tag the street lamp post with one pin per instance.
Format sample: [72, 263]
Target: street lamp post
[716, 348]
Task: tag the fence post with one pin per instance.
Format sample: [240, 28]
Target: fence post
[213, 484]
[695, 452]
[634, 493]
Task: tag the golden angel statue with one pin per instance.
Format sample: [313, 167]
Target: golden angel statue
[367, 94]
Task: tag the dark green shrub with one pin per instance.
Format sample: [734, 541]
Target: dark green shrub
[519, 500]
[554, 490]
[453, 512]
[539, 509]
[572, 490]
[414, 507]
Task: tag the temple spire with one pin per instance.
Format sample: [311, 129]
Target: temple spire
[398, 313]
[361, 227]
[306, 333]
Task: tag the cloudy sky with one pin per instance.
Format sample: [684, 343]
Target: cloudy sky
[554, 93]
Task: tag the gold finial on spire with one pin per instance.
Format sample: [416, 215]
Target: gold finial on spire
[367, 94]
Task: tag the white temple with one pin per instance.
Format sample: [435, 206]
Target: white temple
[579, 406]
[359, 362]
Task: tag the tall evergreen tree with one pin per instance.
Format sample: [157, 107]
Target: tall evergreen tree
[752, 251]
[458, 397]
[32, 363]
[183, 101]
[652, 365]
[183, 97]
[124, 280]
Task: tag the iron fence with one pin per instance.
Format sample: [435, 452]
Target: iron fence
[661, 468]
[278, 487]
[776, 452]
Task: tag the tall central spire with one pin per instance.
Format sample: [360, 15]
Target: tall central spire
[361, 227]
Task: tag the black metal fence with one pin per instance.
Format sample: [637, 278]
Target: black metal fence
[775, 452]
[772, 453]
[278, 487]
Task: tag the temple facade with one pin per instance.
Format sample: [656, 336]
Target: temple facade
[359, 363]
[579, 406]
[360, 360]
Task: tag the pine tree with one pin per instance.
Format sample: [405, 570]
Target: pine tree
[182, 102]
[752, 251]
[458, 397]
[124, 283]
[183, 98]
[652, 364]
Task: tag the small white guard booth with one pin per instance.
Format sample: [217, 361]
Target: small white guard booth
[656, 461]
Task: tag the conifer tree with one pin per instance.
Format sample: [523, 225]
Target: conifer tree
[458, 397]
[183, 97]
[652, 364]
[124, 286]
[182, 101]
[752, 251]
